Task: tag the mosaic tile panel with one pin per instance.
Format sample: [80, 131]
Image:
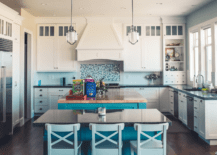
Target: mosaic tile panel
[110, 72]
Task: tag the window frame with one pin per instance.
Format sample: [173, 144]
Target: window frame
[193, 46]
[206, 45]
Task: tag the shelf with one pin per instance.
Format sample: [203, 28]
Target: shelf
[174, 61]
[173, 46]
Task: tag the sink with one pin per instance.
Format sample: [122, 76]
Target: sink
[193, 89]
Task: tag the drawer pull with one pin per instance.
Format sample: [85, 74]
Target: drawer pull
[40, 101]
[171, 102]
[195, 100]
[40, 109]
[181, 101]
[60, 90]
[40, 89]
[201, 100]
[195, 107]
[195, 126]
[195, 116]
[171, 110]
[40, 95]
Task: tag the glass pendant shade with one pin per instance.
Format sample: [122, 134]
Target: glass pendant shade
[71, 36]
[133, 36]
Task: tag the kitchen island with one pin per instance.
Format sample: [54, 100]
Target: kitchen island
[113, 99]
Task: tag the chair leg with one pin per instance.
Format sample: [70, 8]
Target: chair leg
[131, 150]
[79, 151]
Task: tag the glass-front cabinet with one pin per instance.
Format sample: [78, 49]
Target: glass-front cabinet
[174, 30]
[5, 28]
[174, 54]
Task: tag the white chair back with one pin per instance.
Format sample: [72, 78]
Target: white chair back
[107, 127]
[72, 128]
[162, 128]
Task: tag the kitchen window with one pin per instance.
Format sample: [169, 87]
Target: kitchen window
[208, 54]
[194, 54]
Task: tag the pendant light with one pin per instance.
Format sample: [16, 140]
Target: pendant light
[133, 35]
[72, 35]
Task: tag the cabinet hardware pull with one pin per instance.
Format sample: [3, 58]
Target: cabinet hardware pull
[195, 116]
[40, 95]
[60, 90]
[171, 102]
[40, 101]
[195, 100]
[195, 126]
[195, 107]
[40, 109]
[181, 101]
[40, 89]
[201, 100]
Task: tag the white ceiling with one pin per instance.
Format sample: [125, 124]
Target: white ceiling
[111, 8]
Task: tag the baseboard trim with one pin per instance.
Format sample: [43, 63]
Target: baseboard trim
[209, 141]
[21, 121]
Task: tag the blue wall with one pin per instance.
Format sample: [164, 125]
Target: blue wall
[205, 13]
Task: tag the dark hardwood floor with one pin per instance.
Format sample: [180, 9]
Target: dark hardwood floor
[28, 140]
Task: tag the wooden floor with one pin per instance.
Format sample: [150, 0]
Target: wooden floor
[27, 140]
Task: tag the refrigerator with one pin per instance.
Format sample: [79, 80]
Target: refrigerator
[6, 126]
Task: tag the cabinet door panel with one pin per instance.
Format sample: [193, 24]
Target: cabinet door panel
[45, 54]
[153, 104]
[53, 101]
[132, 56]
[149, 93]
[65, 55]
[151, 54]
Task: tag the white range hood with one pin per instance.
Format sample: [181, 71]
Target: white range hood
[100, 41]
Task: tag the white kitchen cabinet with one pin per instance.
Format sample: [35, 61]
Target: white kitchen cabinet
[152, 95]
[45, 54]
[47, 98]
[182, 107]
[53, 100]
[6, 28]
[202, 124]
[54, 54]
[146, 54]
[54, 95]
[164, 100]
[151, 53]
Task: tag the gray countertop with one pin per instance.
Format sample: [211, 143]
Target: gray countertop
[121, 116]
[181, 88]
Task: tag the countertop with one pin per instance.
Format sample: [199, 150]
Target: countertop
[181, 88]
[53, 86]
[112, 96]
[121, 116]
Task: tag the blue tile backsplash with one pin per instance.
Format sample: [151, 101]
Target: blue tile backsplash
[110, 72]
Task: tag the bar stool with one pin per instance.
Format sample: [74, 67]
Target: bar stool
[63, 146]
[151, 146]
[107, 146]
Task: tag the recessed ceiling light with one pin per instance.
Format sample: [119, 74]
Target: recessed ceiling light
[149, 14]
[43, 4]
[159, 3]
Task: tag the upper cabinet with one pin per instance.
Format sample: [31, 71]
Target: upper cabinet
[146, 55]
[54, 54]
[174, 30]
[5, 28]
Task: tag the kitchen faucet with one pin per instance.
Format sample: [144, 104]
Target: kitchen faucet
[202, 81]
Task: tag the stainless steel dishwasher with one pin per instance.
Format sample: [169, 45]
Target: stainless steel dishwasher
[176, 110]
[190, 112]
